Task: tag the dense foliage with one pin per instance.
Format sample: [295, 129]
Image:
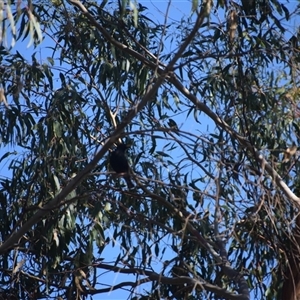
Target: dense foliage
[208, 105]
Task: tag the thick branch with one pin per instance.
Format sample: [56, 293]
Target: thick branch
[196, 283]
[200, 106]
[17, 234]
[242, 140]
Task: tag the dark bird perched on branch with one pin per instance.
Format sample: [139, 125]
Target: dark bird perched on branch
[119, 163]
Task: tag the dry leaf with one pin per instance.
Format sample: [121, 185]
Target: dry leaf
[289, 152]
[3, 98]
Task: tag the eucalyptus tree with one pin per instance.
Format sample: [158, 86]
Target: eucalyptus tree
[207, 105]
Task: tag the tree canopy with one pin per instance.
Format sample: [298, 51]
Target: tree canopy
[207, 104]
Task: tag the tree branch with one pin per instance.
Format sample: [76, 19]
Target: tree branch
[153, 276]
[242, 140]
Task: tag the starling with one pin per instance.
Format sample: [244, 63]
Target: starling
[119, 163]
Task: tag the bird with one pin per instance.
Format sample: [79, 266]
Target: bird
[119, 163]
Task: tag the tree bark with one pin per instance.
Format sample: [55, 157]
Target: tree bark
[291, 285]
